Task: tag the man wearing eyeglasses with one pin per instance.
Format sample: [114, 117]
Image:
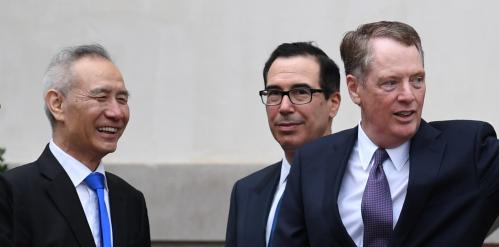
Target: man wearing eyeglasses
[302, 97]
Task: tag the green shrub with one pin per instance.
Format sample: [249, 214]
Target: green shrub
[3, 166]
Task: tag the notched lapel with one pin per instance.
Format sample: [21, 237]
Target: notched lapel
[425, 157]
[118, 208]
[337, 161]
[261, 198]
[65, 198]
[63, 194]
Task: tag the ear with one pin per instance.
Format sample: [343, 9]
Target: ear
[353, 85]
[54, 102]
[334, 100]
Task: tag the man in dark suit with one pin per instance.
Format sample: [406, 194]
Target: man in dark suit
[394, 180]
[65, 198]
[310, 80]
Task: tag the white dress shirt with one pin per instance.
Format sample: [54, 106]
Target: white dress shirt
[277, 196]
[361, 160]
[77, 172]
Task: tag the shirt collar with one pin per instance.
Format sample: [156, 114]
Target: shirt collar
[285, 167]
[76, 170]
[398, 155]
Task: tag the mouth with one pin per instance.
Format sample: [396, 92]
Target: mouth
[108, 130]
[288, 126]
[405, 115]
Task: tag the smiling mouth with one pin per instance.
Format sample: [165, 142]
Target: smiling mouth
[404, 114]
[108, 130]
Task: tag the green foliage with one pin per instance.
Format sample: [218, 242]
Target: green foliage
[3, 166]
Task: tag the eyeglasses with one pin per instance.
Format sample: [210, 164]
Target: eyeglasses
[297, 96]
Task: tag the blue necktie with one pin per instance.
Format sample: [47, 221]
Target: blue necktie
[96, 182]
[376, 207]
[274, 221]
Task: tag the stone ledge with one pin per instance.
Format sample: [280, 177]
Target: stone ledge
[185, 202]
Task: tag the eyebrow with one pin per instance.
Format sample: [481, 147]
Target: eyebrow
[299, 85]
[421, 73]
[96, 91]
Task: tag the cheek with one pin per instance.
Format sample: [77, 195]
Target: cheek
[421, 99]
[126, 113]
[379, 110]
[271, 113]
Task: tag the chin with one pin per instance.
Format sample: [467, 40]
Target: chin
[289, 145]
[406, 135]
[108, 148]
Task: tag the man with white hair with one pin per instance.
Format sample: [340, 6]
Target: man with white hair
[66, 198]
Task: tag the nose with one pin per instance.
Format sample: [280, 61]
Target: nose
[116, 110]
[286, 105]
[406, 92]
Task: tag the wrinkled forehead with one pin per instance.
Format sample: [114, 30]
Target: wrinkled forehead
[390, 51]
[95, 72]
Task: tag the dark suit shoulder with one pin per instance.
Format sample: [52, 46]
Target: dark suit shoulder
[121, 183]
[260, 176]
[22, 170]
[462, 126]
[325, 142]
[18, 176]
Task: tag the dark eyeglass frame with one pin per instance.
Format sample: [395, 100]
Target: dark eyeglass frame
[264, 93]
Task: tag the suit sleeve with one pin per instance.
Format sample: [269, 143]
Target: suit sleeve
[231, 232]
[487, 160]
[6, 220]
[291, 230]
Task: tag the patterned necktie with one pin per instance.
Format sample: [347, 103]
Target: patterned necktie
[96, 182]
[376, 208]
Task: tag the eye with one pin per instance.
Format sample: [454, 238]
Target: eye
[122, 99]
[417, 82]
[301, 91]
[389, 85]
[100, 98]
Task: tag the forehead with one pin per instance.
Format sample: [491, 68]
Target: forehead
[288, 71]
[392, 57]
[92, 72]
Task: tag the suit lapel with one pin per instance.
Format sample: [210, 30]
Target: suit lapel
[63, 193]
[262, 197]
[425, 158]
[118, 209]
[335, 164]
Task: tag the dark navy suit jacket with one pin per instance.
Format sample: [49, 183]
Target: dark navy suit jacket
[39, 206]
[250, 204]
[452, 196]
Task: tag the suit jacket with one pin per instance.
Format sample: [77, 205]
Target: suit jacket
[250, 204]
[452, 195]
[39, 206]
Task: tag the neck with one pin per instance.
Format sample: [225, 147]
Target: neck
[380, 140]
[89, 161]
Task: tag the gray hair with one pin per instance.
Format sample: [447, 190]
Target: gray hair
[59, 75]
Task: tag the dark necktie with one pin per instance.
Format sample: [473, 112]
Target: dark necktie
[376, 208]
[276, 215]
[96, 182]
[274, 221]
